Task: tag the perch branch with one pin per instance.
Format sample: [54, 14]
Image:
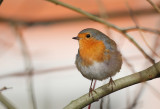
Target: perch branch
[142, 76]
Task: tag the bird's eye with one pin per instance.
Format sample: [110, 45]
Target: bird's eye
[88, 36]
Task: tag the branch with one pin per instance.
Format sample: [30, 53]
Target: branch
[140, 32]
[137, 97]
[28, 64]
[6, 102]
[90, 16]
[145, 75]
[154, 6]
[1, 2]
[4, 88]
[139, 47]
[128, 29]
[36, 72]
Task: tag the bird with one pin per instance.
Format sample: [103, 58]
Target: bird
[98, 57]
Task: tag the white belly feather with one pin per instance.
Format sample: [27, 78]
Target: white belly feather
[100, 70]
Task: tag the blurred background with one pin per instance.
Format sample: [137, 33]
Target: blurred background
[37, 53]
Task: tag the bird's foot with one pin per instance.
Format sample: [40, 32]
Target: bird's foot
[111, 82]
[91, 92]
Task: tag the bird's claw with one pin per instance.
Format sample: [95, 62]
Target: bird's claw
[111, 82]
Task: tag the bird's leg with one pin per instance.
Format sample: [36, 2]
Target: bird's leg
[111, 82]
[92, 89]
[94, 85]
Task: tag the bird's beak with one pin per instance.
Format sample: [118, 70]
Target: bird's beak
[76, 38]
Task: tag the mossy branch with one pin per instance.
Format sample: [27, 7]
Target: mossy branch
[142, 76]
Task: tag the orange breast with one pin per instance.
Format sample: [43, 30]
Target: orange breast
[91, 50]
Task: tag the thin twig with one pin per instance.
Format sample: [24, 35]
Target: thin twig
[1, 2]
[155, 92]
[102, 10]
[37, 72]
[156, 44]
[156, 40]
[134, 103]
[136, 23]
[129, 65]
[135, 28]
[153, 52]
[28, 65]
[51, 70]
[128, 98]
[101, 103]
[139, 30]
[154, 6]
[90, 16]
[25, 23]
[6, 102]
[139, 48]
[5, 88]
[139, 93]
[108, 104]
[5, 44]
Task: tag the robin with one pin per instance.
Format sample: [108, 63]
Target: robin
[98, 57]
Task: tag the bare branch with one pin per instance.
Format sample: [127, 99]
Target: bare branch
[128, 29]
[139, 48]
[4, 88]
[137, 96]
[142, 76]
[6, 102]
[139, 30]
[1, 2]
[139, 93]
[37, 72]
[154, 6]
[28, 65]
[155, 92]
[129, 65]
